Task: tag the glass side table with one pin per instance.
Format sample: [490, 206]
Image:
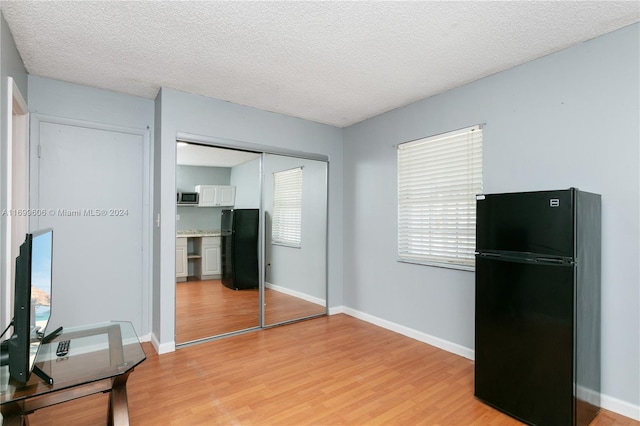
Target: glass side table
[100, 359]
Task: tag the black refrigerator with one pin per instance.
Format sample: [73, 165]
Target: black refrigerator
[239, 232]
[537, 307]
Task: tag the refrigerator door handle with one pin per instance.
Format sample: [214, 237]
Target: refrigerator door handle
[488, 254]
[525, 258]
[555, 260]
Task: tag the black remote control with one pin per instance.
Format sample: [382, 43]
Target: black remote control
[63, 347]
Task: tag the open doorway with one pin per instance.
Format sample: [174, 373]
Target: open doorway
[17, 219]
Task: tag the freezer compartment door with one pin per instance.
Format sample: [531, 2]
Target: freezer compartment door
[524, 339]
[530, 222]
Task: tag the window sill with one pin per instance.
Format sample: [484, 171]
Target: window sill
[438, 264]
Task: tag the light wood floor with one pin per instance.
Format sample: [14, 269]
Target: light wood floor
[332, 370]
[208, 308]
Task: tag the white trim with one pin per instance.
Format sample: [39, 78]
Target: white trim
[164, 347]
[45, 118]
[618, 406]
[147, 232]
[14, 96]
[297, 294]
[336, 310]
[414, 334]
[145, 337]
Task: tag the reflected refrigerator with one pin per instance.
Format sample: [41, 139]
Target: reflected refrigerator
[537, 328]
[239, 232]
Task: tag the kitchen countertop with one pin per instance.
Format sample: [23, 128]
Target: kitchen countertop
[199, 233]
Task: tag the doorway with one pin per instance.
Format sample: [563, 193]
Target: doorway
[17, 182]
[91, 180]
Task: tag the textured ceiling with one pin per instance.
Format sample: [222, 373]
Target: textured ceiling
[331, 62]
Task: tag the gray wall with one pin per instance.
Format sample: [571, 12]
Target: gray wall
[10, 66]
[206, 117]
[246, 178]
[568, 119]
[61, 99]
[187, 177]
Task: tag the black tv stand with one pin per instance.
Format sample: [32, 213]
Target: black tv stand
[4, 356]
[44, 376]
[49, 337]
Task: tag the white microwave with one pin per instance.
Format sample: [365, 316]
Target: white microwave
[187, 198]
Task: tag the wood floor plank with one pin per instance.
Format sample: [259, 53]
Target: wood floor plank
[334, 370]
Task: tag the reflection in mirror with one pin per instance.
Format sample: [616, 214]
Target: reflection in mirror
[224, 180]
[295, 210]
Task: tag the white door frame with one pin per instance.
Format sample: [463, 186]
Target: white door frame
[17, 185]
[147, 190]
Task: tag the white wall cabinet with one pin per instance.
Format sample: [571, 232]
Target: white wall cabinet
[216, 195]
[182, 266]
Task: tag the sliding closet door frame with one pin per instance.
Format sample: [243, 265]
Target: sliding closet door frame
[248, 146]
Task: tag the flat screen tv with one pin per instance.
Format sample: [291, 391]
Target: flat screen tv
[32, 302]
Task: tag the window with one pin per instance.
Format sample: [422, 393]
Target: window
[286, 226]
[438, 179]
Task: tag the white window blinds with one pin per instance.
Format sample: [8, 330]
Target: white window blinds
[438, 179]
[286, 225]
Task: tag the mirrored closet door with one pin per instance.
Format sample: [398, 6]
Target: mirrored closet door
[235, 208]
[295, 212]
[217, 241]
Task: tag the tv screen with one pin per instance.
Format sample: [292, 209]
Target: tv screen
[32, 302]
[41, 256]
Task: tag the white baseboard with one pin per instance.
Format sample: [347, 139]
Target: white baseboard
[164, 347]
[295, 293]
[607, 402]
[618, 406]
[414, 334]
[336, 310]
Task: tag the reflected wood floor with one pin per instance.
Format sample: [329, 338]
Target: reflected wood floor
[332, 370]
[208, 308]
[280, 307]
